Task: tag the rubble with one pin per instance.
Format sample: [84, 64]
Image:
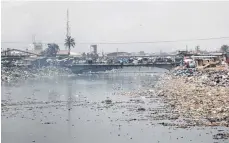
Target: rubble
[183, 72]
[221, 136]
[204, 96]
[207, 77]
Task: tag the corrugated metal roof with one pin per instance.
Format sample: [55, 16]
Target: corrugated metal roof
[203, 56]
[216, 54]
[62, 52]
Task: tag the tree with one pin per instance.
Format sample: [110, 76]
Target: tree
[52, 50]
[224, 48]
[69, 42]
[84, 55]
[88, 55]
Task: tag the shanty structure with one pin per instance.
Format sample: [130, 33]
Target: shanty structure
[64, 53]
[210, 58]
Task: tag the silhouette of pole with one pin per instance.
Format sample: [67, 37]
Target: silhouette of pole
[68, 33]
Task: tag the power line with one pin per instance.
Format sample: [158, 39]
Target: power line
[146, 42]
[159, 41]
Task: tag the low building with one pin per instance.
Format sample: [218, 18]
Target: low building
[208, 59]
[34, 52]
[38, 48]
[142, 53]
[118, 54]
[64, 53]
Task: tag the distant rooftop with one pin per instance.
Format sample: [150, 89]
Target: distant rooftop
[113, 54]
[65, 53]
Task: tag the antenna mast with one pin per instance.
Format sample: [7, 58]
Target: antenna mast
[68, 33]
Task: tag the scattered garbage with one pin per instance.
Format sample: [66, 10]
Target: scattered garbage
[184, 72]
[221, 136]
[107, 101]
[141, 109]
[9, 74]
[49, 123]
[189, 94]
[202, 96]
[207, 77]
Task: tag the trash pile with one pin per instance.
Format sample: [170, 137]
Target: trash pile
[9, 74]
[195, 99]
[206, 77]
[213, 78]
[184, 72]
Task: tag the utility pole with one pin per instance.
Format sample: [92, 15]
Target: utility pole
[68, 32]
[34, 41]
[33, 38]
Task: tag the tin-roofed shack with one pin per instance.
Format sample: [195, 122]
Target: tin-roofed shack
[211, 59]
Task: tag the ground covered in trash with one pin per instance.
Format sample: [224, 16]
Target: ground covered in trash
[202, 99]
[19, 74]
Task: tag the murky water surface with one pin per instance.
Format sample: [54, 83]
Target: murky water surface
[92, 108]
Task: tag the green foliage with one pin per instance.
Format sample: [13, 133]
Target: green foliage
[51, 51]
[69, 42]
[224, 48]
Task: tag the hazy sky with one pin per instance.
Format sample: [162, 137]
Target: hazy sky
[96, 22]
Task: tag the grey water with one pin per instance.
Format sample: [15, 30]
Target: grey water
[72, 109]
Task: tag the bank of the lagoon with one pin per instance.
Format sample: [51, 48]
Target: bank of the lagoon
[201, 97]
[117, 106]
[15, 74]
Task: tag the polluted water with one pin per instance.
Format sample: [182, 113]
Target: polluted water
[127, 105]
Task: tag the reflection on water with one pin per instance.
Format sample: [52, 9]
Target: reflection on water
[95, 86]
[69, 106]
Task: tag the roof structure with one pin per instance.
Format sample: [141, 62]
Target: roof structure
[65, 53]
